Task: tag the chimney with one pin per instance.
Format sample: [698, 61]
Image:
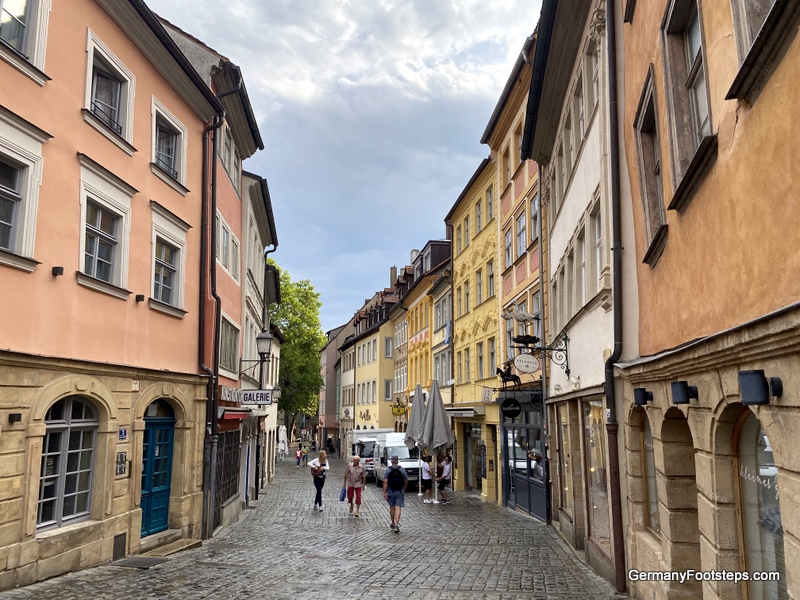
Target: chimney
[392, 277]
[414, 255]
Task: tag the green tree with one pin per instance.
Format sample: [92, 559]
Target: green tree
[297, 317]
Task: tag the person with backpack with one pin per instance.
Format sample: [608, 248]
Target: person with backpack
[394, 491]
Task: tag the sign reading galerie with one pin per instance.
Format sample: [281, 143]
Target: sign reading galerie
[245, 397]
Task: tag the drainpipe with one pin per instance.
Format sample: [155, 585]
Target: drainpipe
[612, 426]
[542, 283]
[212, 440]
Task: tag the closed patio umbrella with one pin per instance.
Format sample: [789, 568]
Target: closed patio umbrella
[414, 430]
[436, 433]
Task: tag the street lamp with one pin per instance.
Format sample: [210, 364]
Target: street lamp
[264, 349]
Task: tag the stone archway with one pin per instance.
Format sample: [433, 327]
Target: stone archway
[679, 522]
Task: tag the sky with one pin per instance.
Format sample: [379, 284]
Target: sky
[371, 112]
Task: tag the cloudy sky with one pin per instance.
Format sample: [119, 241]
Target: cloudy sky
[371, 113]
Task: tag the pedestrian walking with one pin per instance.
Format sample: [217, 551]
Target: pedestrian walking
[355, 478]
[298, 454]
[394, 491]
[427, 480]
[305, 456]
[444, 480]
[318, 468]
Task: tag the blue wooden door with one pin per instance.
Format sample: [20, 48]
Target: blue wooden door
[156, 474]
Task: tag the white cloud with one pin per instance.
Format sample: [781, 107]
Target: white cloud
[371, 112]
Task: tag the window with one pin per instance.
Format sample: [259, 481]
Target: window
[749, 16]
[760, 509]
[479, 373]
[467, 365]
[224, 245]
[593, 70]
[105, 216]
[20, 174]
[650, 184]
[459, 367]
[509, 340]
[479, 287]
[570, 281]
[537, 312]
[568, 144]
[458, 239]
[581, 269]
[522, 328]
[170, 137]
[478, 216]
[507, 167]
[522, 238]
[109, 95]
[235, 258]
[490, 279]
[23, 28]
[652, 519]
[489, 204]
[595, 464]
[466, 232]
[565, 466]
[169, 259]
[597, 234]
[229, 348]
[374, 350]
[579, 110]
[387, 389]
[374, 392]
[508, 251]
[458, 302]
[67, 471]
[686, 93]
[492, 358]
[466, 296]
[535, 217]
[518, 142]
[387, 347]
[227, 144]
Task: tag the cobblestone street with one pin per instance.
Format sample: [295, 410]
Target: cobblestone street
[283, 549]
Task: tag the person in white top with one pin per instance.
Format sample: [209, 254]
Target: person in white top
[318, 468]
[427, 482]
[444, 480]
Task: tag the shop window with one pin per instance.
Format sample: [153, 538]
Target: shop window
[595, 460]
[565, 460]
[760, 510]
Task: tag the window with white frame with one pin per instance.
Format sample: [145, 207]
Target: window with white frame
[537, 312]
[374, 350]
[489, 204]
[508, 249]
[467, 365]
[459, 306]
[535, 214]
[478, 287]
[570, 151]
[23, 28]
[374, 391]
[458, 239]
[554, 304]
[509, 340]
[20, 176]
[169, 257]
[426, 260]
[229, 347]
[490, 279]
[459, 368]
[507, 166]
[522, 327]
[387, 389]
[522, 236]
[570, 276]
[466, 296]
[234, 258]
[580, 275]
[466, 232]
[597, 235]
[387, 347]
[170, 137]
[66, 477]
[492, 357]
[478, 216]
[593, 72]
[105, 223]
[110, 91]
[479, 366]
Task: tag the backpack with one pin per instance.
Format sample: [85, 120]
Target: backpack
[395, 479]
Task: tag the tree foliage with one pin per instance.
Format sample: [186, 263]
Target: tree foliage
[297, 317]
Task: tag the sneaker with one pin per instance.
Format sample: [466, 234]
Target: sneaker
[351, 509]
[427, 501]
[392, 526]
[445, 502]
[320, 509]
[397, 528]
[357, 513]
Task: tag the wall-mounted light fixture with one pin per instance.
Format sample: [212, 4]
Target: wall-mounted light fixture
[755, 388]
[57, 271]
[682, 392]
[642, 396]
[264, 349]
[15, 417]
[140, 297]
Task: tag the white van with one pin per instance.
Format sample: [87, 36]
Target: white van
[386, 446]
[362, 443]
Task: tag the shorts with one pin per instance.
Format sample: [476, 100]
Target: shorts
[427, 484]
[396, 498]
[443, 483]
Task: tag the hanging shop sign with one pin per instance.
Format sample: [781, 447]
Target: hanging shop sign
[526, 363]
[511, 408]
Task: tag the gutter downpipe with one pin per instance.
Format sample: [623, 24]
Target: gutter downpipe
[265, 325]
[213, 443]
[612, 426]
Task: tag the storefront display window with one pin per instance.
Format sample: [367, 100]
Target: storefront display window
[564, 459]
[595, 457]
[760, 510]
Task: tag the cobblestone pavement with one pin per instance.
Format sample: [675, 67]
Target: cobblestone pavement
[283, 549]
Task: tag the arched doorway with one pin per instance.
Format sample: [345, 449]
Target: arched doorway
[157, 446]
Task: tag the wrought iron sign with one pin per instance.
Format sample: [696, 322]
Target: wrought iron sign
[558, 353]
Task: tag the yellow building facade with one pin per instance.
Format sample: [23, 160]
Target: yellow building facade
[476, 336]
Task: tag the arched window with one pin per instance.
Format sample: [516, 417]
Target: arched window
[760, 510]
[65, 480]
[649, 474]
